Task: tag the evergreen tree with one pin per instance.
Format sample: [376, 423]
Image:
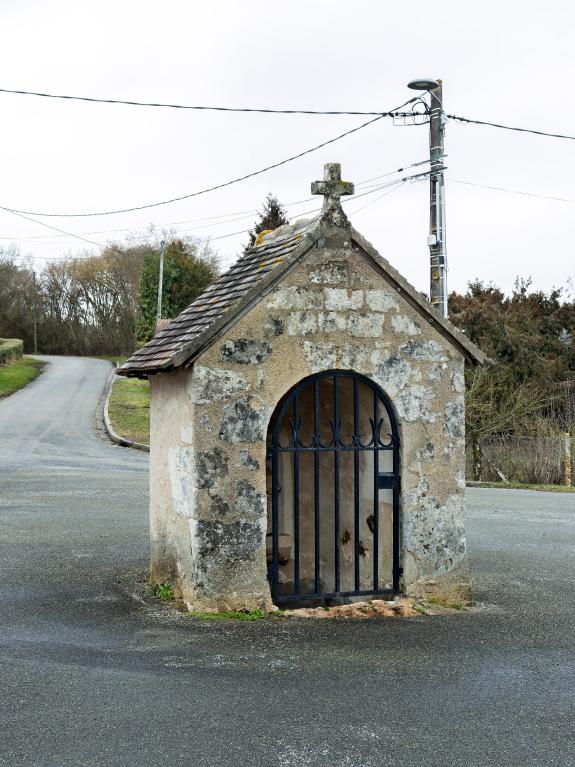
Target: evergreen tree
[187, 272]
[272, 215]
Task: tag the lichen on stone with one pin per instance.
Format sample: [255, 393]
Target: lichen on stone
[244, 420]
[245, 351]
[380, 300]
[248, 501]
[210, 467]
[302, 324]
[319, 356]
[430, 350]
[393, 375]
[210, 384]
[365, 325]
[341, 299]
[331, 273]
[403, 324]
[295, 297]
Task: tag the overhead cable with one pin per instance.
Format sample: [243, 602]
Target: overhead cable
[201, 191]
[261, 110]
[230, 217]
[512, 191]
[509, 127]
[394, 183]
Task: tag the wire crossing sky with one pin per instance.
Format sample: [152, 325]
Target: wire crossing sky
[209, 160]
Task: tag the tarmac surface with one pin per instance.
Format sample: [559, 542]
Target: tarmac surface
[92, 676]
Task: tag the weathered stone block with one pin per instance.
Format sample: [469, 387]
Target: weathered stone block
[244, 420]
[331, 322]
[455, 419]
[401, 323]
[249, 502]
[358, 358]
[295, 298]
[458, 379]
[340, 299]
[416, 403]
[365, 325]
[424, 350]
[319, 356]
[210, 467]
[233, 543]
[332, 273]
[301, 324]
[274, 326]
[393, 375]
[245, 351]
[380, 300]
[210, 384]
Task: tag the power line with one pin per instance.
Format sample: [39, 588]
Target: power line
[509, 127]
[241, 214]
[48, 226]
[512, 191]
[202, 191]
[394, 183]
[264, 110]
[259, 110]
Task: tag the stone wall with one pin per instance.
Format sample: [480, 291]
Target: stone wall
[209, 425]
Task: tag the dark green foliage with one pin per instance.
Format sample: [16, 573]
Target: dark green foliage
[271, 216]
[530, 338]
[187, 272]
[530, 331]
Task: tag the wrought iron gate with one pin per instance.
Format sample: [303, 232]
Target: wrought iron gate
[334, 446]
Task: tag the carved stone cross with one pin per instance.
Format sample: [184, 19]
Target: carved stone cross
[332, 188]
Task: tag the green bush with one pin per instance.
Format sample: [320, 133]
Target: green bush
[10, 349]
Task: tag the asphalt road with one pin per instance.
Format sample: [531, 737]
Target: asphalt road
[92, 677]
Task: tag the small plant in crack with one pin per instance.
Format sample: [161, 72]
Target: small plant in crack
[164, 591]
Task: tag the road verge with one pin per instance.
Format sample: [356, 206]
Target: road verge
[109, 428]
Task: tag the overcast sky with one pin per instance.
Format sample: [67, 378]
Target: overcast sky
[510, 62]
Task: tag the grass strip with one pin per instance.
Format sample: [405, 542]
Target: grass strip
[16, 374]
[129, 409]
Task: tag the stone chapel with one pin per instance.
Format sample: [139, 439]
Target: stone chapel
[307, 427]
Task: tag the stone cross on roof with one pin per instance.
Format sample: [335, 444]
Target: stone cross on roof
[332, 188]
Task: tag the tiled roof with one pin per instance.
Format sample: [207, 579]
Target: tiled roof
[226, 292]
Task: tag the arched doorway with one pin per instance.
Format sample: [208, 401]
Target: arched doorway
[334, 479]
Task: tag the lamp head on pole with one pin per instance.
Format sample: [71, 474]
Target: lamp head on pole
[423, 84]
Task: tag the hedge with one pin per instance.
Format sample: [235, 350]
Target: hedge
[10, 348]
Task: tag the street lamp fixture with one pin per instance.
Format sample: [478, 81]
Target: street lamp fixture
[422, 84]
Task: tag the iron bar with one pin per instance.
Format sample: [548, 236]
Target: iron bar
[336, 481]
[275, 528]
[316, 480]
[296, 530]
[375, 499]
[356, 484]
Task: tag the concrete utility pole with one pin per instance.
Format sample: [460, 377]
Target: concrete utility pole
[436, 239]
[161, 280]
